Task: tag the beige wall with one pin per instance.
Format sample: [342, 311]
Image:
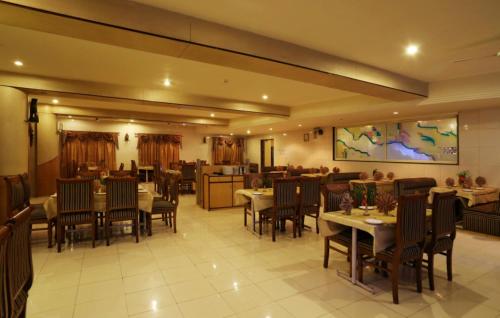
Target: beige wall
[192, 142]
[479, 151]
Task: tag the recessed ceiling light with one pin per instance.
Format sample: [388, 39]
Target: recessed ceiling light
[167, 82]
[412, 49]
[498, 53]
[395, 113]
[18, 63]
[131, 120]
[300, 125]
[248, 132]
[72, 120]
[271, 129]
[284, 134]
[231, 134]
[55, 101]
[70, 116]
[183, 124]
[212, 115]
[265, 97]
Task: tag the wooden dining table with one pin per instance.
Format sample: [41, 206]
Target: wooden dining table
[259, 199]
[331, 223]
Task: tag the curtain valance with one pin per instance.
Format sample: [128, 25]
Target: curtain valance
[228, 150]
[158, 138]
[228, 141]
[83, 136]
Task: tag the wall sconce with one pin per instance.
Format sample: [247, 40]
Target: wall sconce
[126, 137]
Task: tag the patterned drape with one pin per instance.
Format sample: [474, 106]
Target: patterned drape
[227, 150]
[158, 148]
[79, 147]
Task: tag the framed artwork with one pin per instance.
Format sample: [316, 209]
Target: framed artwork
[419, 141]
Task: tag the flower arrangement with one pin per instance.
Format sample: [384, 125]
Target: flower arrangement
[363, 176]
[390, 175]
[462, 175]
[385, 202]
[450, 182]
[378, 175]
[336, 170]
[480, 181]
[346, 203]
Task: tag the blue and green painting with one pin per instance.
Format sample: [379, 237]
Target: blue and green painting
[360, 143]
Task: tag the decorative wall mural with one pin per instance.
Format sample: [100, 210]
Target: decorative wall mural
[365, 143]
[423, 141]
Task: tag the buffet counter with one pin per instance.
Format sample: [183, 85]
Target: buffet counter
[218, 190]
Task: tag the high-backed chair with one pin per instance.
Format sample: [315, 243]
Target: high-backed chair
[440, 241]
[409, 245]
[19, 264]
[188, 171]
[38, 215]
[134, 170]
[168, 203]
[310, 200]
[89, 175]
[75, 205]
[122, 166]
[253, 167]
[122, 204]
[156, 175]
[15, 195]
[5, 235]
[285, 206]
[413, 186]
[341, 177]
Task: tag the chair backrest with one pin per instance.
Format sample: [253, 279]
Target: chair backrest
[122, 166]
[332, 195]
[5, 234]
[84, 167]
[359, 188]
[410, 227]
[133, 168]
[285, 197]
[253, 167]
[269, 177]
[310, 192]
[174, 181]
[89, 175]
[19, 262]
[342, 177]
[27, 188]
[443, 215]
[15, 194]
[413, 185]
[119, 173]
[248, 177]
[188, 171]
[75, 195]
[121, 193]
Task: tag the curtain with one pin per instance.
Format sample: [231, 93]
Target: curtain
[79, 147]
[158, 148]
[227, 150]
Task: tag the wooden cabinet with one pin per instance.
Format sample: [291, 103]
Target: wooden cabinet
[218, 191]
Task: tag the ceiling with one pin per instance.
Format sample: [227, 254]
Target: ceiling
[371, 32]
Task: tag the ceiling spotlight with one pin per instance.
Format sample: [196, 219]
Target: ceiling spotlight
[284, 134]
[55, 101]
[183, 124]
[72, 120]
[131, 120]
[167, 82]
[212, 115]
[18, 63]
[412, 49]
[70, 116]
[395, 113]
[248, 132]
[498, 53]
[300, 125]
[230, 134]
[271, 129]
[265, 97]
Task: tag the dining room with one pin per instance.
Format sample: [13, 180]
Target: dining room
[172, 159]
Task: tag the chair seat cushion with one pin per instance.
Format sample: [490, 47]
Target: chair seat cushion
[162, 204]
[38, 213]
[442, 244]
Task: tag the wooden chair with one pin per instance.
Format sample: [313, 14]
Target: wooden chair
[5, 235]
[83, 167]
[440, 241]
[167, 205]
[332, 194]
[89, 175]
[38, 215]
[75, 205]
[119, 173]
[134, 171]
[409, 245]
[285, 206]
[122, 204]
[122, 167]
[19, 264]
[188, 171]
[157, 176]
[15, 195]
[310, 200]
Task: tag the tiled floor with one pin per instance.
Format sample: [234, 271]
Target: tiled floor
[214, 267]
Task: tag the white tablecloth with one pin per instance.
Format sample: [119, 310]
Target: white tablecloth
[474, 197]
[145, 203]
[259, 201]
[332, 223]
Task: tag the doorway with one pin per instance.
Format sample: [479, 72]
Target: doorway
[266, 153]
